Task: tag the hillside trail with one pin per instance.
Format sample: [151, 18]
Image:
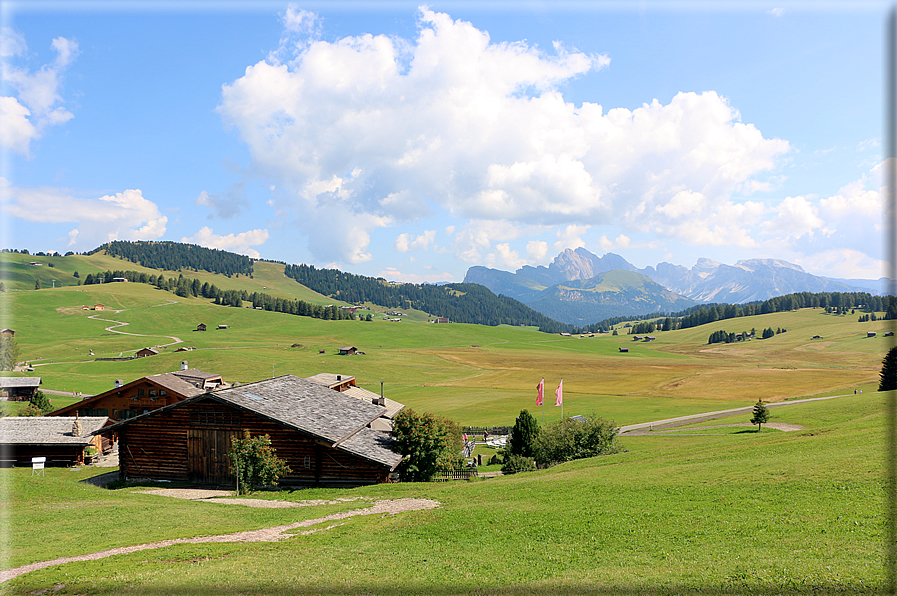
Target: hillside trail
[272, 534]
[113, 329]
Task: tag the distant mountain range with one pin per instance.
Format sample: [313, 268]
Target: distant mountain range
[579, 287]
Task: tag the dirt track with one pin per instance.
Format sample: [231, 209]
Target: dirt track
[386, 507]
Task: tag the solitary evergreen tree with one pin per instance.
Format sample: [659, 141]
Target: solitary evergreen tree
[524, 434]
[37, 285]
[761, 414]
[889, 371]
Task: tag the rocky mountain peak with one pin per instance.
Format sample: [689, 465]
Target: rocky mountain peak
[754, 264]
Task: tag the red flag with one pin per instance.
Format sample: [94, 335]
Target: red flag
[559, 394]
[541, 388]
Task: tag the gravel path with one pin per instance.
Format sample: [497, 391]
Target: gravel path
[386, 507]
[670, 422]
[782, 426]
[216, 496]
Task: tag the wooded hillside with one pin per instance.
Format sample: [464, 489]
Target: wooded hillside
[174, 256]
[461, 303]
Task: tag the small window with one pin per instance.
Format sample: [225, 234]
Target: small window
[162, 393]
[152, 393]
[307, 462]
[140, 393]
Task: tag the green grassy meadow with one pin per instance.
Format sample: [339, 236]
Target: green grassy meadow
[728, 511]
[767, 513]
[476, 375]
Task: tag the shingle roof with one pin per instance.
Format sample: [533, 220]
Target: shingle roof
[43, 430]
[195, 373]
[172, 382]
[328, 379]
[373, 445]
[303, 405]
[392, 407]
[12, 382]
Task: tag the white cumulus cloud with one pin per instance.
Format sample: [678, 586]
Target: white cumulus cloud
[795, 217]
[570, 237]
[239, 243]
[379, 127]
[125, 215]
[406, 242]
[35, 107]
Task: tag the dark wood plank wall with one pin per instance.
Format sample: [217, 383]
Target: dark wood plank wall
[157, 447]
[57, 455]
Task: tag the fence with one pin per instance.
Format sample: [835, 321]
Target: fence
[455, 475]
[493, 430]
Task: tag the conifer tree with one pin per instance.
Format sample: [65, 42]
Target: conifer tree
[889, 371]
[761, 414]
[524, 435]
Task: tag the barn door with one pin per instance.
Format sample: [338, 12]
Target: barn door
[207, 455]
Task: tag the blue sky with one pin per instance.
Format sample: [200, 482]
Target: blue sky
[413, 141]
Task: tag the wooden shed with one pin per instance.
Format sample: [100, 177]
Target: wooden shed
[7, 332]
[99, 307]
[201, 327]
[347, 350]
[22, 438]
[322, 434]
[143, 395]
[624, 349]
[18, 388]
[146, 352]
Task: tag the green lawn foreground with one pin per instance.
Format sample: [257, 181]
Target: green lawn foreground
[768, 513]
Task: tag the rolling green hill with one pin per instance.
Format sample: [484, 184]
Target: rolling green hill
[474, 374]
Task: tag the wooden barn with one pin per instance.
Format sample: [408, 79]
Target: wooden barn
[146, 352]
[145, 394]
[347, 350]
[18, 388]
[322, 434]
[57, 439]
[201, 327]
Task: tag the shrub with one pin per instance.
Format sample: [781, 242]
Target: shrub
[429, 444]
[518, 463]
[41, 402]
[31, 410]
[571, 439]
[255, 463]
